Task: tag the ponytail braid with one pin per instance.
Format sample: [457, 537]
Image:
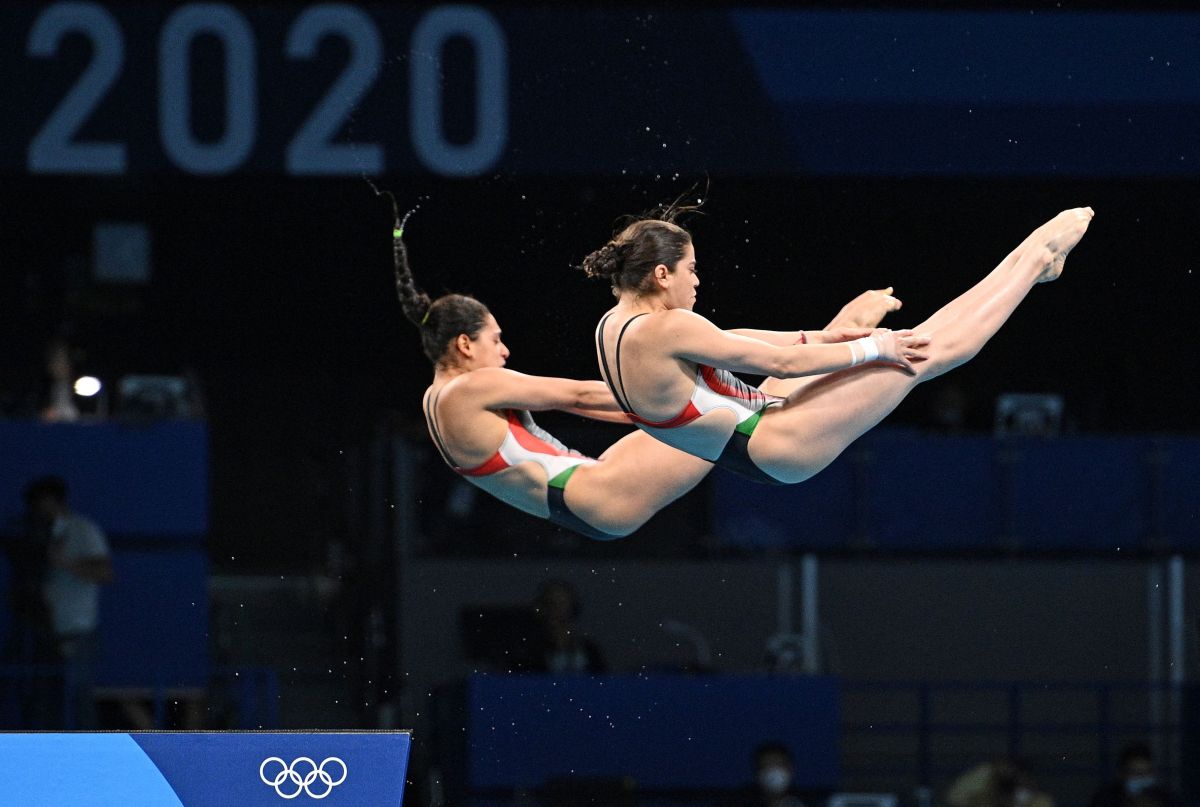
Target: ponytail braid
[414, 302]
[440, 321]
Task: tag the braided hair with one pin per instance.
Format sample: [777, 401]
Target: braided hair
[440, 321]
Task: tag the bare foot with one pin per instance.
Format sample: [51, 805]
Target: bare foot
[1059, 236]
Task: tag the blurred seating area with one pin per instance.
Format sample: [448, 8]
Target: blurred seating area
[146, 485]
[814, 621]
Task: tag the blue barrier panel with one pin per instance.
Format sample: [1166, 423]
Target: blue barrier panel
[132, 479]
[154, 620]
[6, 611]
[818, 514]
[914, 480]
[1180, 481]
[897, 490]
[1079, 493]
[667, 732]
[204, 769]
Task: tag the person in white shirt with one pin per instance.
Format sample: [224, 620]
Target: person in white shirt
[78, 563]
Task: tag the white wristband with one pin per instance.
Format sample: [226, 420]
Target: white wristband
[870, 349]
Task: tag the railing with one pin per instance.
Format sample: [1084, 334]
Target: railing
[42, 696]
[256, 694]
[26, 688]
[1105, 727]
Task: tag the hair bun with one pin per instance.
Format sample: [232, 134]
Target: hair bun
[604, 262]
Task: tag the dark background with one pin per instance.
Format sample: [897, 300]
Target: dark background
[279, 294]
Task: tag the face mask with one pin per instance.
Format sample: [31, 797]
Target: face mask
[1139, 784]
[774, 780]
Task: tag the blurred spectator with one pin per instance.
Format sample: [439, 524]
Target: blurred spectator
[195, 407]
[774, 774]
[1003, 783]
[59, 404]
[949, 409]
[1138, 785]
[30, 639]
[559, 647]
[78, 563]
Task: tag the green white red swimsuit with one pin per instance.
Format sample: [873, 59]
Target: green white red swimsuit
[714, 389]
[525, 441]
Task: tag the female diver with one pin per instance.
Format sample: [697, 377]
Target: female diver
[669, 368]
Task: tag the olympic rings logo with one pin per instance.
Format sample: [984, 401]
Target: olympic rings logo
[289, 776]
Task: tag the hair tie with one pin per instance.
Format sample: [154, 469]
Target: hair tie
[398, 232]
[425, 318]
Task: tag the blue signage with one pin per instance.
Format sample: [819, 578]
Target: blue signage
[204, 769]
[456, 90]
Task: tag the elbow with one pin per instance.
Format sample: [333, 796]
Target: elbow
[796, 365]
[784, 364]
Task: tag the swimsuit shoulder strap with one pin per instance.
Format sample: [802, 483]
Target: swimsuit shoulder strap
[605, 371]
[622, 397]
[431, 417]
[617, 360]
